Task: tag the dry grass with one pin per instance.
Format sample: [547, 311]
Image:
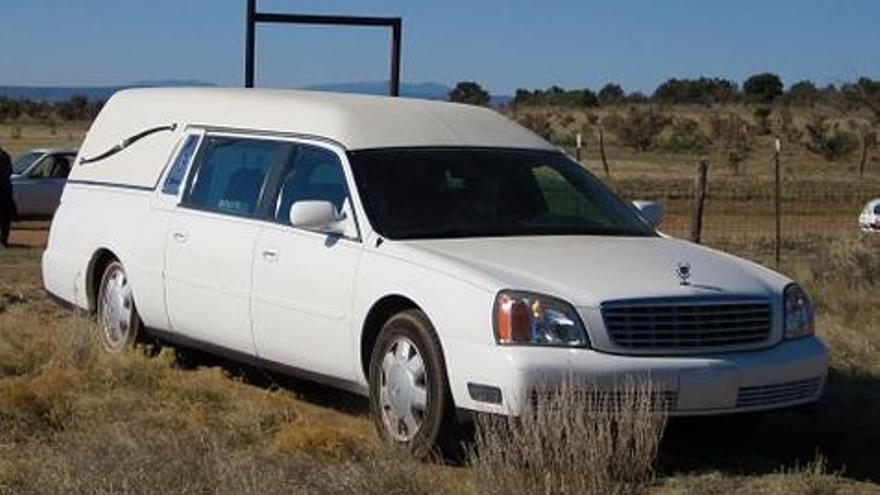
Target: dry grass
[812, 479]
[74, 419]
[574, 441]
[20, 137]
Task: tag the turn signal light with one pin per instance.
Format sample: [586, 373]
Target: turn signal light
[514, 320]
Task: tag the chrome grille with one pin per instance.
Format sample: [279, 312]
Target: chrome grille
[779, 393]
[682, 325]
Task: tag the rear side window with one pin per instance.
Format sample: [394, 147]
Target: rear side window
[232, 173]
[178, 168]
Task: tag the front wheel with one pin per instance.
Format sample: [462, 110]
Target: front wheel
[409, 392]
[117, 316]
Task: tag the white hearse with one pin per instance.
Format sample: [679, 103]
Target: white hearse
[436, 257]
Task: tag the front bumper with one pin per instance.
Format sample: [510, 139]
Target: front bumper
[788, 374]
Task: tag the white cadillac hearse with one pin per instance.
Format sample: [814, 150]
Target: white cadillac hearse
[436, 257]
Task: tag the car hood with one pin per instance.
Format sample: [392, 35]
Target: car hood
[589, 270]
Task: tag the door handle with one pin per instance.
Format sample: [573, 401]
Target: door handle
[270, 255]
[179, 236]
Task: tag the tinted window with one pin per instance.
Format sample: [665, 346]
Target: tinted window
[877, 210]
[232, 173]
[312, 173]
[52, 167]
[429, 193]
[178, 168]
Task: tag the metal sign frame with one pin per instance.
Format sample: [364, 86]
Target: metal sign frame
[254, 18]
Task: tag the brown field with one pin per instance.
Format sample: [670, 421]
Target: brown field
[162, 420]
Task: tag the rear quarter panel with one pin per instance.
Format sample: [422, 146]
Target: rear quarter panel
[121, 220]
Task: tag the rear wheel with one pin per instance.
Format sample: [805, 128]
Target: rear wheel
[118, 318]
[409, 392]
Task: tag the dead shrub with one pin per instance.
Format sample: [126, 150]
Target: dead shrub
[828, 140]
[639, 128]
[733, 134]
[573, 441]
[685, 136]
[537, 122]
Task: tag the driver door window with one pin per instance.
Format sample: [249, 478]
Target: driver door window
[313, 174]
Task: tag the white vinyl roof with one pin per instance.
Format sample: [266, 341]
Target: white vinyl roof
[353, 121]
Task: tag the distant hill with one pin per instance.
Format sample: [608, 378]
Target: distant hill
[58, 93]
[425, 90]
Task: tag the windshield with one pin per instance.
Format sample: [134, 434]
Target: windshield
[439, 193]
[21, 164]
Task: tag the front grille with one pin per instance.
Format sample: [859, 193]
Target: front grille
[765, 395]
[667, 326]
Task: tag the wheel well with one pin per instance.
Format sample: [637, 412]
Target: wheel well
[100, 260]
[381, 311]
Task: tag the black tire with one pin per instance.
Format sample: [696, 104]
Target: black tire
[128, 326]
[438, 433]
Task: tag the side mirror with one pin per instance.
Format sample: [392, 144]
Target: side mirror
[315, 215]
[651, 212]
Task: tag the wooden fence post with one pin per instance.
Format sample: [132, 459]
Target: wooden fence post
[700, 186]
[778, 202]
[602, 153]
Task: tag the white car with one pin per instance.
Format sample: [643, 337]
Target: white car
[38, 178]
[436, 257]
[869, 220]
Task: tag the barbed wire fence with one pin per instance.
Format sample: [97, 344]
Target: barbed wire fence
[773, 218]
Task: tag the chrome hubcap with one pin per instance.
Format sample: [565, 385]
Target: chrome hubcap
[403, 393]
[116, 309]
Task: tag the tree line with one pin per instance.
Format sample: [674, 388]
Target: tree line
[765, 88]
[75, 108]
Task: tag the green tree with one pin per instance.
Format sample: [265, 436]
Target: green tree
[803, 93]
[763, 88]
[523, 97]
[611, 94]
[469, 92]
[588, 98]
[705, 91]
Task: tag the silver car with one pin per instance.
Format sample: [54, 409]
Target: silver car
[869, 220]
[38, 178]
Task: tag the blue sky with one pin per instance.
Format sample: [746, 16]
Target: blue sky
[501, 44]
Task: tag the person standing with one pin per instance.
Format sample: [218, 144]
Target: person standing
[7, 202]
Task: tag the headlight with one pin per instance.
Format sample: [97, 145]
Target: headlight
[798, 313]
[533, 319]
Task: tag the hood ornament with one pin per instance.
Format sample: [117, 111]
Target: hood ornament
[683, 271]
